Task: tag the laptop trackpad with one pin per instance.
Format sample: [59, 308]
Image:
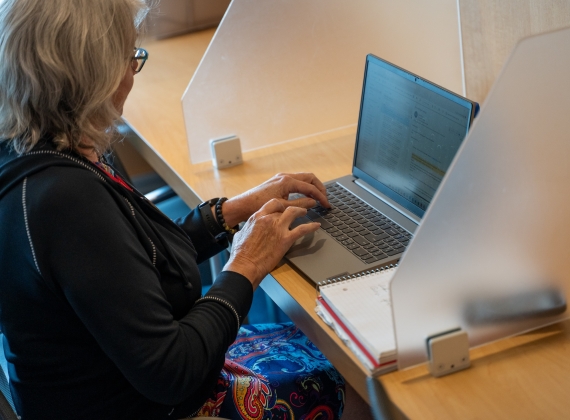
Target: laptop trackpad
[319, 256]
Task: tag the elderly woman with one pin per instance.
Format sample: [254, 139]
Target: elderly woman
[100, 301]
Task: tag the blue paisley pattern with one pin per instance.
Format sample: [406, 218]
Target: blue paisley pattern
[273, 371]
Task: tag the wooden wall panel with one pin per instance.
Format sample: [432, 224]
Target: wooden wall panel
[491, 28]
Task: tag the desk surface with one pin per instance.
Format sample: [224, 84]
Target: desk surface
[525, 376]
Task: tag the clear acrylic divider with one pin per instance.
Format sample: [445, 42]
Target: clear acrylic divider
[282, 70]
[492, 254]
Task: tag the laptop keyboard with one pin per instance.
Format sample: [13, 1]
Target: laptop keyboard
[358, 227]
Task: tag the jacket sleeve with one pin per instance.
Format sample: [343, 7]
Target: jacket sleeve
[202, 236]
[89, 251]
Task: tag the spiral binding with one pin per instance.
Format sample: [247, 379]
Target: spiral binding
[330, 281]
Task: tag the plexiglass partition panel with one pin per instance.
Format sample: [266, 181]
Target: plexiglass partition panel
[492, 255]
[281, 70]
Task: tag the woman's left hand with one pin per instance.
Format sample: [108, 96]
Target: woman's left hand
[240, 208]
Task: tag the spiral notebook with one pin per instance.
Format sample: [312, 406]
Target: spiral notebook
[358, 309]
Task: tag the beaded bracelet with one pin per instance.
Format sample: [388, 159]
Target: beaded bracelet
[221, 220]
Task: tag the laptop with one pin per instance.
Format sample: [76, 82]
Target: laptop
[409, 130]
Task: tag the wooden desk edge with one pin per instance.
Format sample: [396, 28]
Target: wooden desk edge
[166, 172]
[296, 297]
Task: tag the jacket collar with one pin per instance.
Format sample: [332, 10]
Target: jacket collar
[14, 168]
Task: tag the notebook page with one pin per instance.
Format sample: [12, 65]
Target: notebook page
[363, 304]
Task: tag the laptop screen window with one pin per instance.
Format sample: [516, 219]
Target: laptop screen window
[409, 132]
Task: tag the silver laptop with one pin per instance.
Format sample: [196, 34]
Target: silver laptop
[409, 131]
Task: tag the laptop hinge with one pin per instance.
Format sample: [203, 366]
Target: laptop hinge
[386, 200]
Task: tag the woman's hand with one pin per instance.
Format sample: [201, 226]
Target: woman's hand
[279, 187]
[264, 240]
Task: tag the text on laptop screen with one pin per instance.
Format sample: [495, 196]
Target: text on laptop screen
[409, 132]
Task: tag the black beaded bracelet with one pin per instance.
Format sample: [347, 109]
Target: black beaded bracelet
[221, 220]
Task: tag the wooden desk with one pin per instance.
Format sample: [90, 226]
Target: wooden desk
[524, 377]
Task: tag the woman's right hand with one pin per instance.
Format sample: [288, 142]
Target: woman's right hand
[265, 238]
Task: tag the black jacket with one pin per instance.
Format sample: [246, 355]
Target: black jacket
[98, 296]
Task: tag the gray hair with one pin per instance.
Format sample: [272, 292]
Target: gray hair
[61, 61]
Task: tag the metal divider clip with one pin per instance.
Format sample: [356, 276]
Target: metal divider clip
[448, 352]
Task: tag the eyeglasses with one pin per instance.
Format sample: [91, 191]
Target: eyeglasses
[138, 60]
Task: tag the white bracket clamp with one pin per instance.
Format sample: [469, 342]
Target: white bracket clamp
[448, 352]
[226, 152]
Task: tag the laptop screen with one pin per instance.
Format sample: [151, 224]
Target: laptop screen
[409, 131]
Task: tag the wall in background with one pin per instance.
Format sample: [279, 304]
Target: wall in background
[175, 17]
[491, 28]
